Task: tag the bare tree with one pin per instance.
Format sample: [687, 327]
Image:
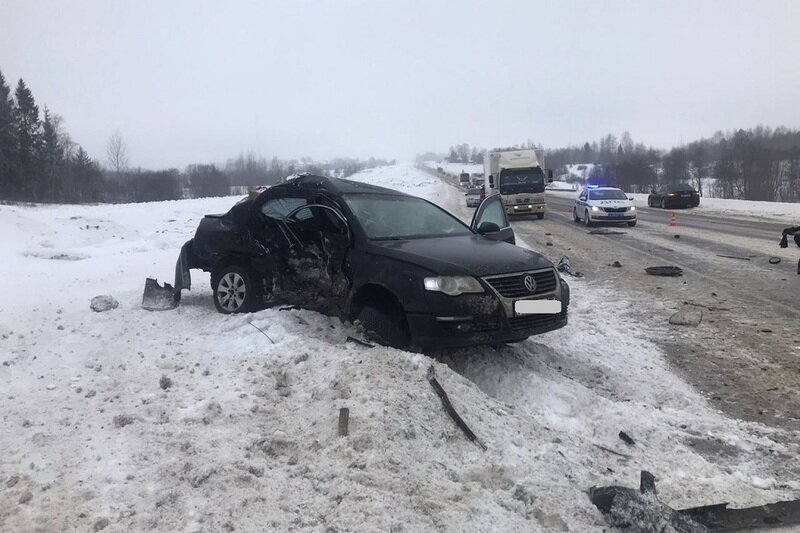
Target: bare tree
[117, 152]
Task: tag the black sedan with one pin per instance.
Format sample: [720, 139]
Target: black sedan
[671, 196]
[409, 271]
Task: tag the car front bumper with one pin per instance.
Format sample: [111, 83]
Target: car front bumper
[471, 320]
[525, 209]
[431, 331]
[607, 217]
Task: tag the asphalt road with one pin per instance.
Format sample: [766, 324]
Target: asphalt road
[740, 226]
[746, 353]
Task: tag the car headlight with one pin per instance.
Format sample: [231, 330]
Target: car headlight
[633, 208]
[595, 208]
[453, 285]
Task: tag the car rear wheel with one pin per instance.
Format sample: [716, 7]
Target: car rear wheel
[235, 289]
[383, 328]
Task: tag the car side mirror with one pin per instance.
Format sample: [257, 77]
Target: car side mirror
[488, 227]
[630, 198]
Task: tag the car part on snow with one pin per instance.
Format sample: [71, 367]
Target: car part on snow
[359, 341]
[664, 271]
[344, 418]
[103, 303]
[616, 264]
[774, 260]
[734, 257]
[605, 231]
[626, 438]
[565, 267]
[687, 317]
[262, 332]
[642, 511]
[158, 298]
[450, 409]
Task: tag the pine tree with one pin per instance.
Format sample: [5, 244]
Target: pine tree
[52, 158]
[28, 129]
[8, 142]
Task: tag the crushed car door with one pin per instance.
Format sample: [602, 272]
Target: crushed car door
[490, 220]
[320, 239]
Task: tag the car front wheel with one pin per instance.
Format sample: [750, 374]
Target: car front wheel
[663, 203]
[383, 328]
[235, 290]
[586, 219]
[575, 216]
[632, 223]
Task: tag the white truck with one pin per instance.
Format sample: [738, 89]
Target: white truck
[520, 180]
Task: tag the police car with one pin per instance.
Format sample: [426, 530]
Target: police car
[604, 204]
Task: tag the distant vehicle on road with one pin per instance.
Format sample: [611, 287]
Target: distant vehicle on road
[473, 197]
[520, 180]
[463, 179]
[670, 196]
[604, 204]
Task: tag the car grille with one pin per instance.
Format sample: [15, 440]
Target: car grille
[534, 321]
[615, 209]
[512, 285]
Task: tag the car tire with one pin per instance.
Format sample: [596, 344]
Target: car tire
[649, 202]
[663, 203]
[586, 219]
[632, 224]
[383, 328]
[575, 216]
[540, 216]
[235, 288]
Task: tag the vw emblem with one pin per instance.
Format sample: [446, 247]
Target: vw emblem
[530, 283]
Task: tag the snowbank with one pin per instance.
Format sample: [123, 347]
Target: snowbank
[190, 420]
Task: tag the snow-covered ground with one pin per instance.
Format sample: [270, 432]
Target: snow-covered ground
[189, 420]
[782, 211]
[561, 186]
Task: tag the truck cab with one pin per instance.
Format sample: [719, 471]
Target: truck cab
[519, 179]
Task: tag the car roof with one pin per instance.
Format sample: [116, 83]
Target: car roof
[603, 189]
[336, 186]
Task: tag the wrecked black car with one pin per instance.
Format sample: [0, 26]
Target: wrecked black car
[409, 271]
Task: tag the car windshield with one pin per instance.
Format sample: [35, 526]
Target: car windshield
[402, 217]
[607, 194]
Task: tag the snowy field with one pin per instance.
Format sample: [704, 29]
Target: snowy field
[188, 420]
[782, 211]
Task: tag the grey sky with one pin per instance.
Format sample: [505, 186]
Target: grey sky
[202, 81]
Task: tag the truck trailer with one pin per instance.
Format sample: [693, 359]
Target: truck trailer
[519, 179]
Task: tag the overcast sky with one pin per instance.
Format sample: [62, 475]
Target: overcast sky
[203, 81]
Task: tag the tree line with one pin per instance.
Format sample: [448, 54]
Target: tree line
[755, 164]
[39, 162]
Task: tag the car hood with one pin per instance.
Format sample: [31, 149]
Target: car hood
[463, 255]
